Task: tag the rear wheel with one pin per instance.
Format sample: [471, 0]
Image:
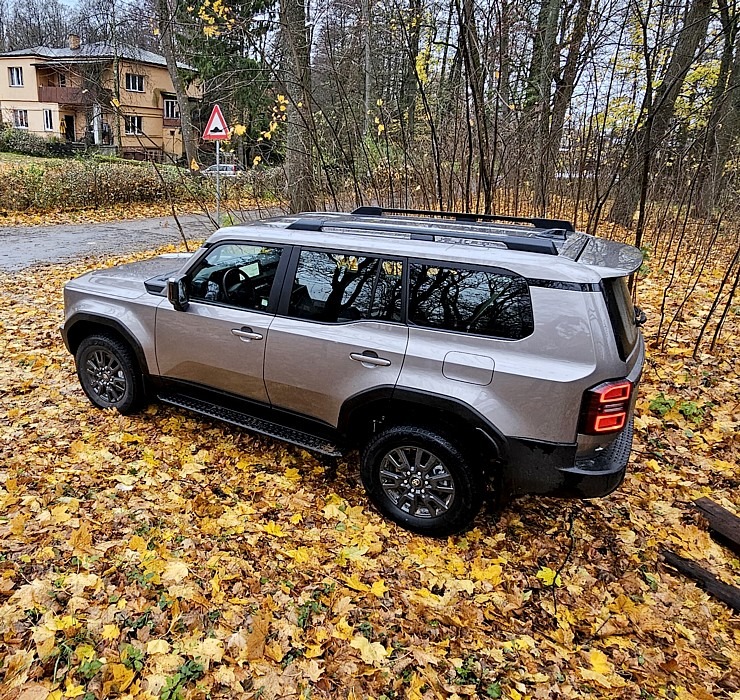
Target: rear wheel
[421, 480]
[109, 374]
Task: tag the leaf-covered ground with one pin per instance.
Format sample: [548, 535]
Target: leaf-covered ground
[95, 216]
[164, 555]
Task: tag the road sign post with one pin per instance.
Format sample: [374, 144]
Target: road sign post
[216, 130]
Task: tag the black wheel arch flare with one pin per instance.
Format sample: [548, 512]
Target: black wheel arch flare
[81, 325]
[380, 401]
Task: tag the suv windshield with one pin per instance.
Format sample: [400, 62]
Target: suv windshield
[622, 314]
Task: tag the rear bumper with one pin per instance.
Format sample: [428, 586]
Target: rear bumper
[554, 470]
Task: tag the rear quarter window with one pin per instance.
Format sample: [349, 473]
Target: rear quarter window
[466, 300]
[622, 314]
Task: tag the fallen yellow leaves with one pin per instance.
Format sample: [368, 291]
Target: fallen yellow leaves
[162, 551]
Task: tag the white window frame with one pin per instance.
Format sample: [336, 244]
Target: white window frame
[134, 82]
[133, 124]
[20, 118]
[171, 108]
[15, 76]
[48, 120]
[62, 80]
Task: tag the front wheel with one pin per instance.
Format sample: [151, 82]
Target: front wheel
[109, 374]
[421, 480]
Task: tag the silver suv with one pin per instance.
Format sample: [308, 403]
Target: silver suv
[457, 352]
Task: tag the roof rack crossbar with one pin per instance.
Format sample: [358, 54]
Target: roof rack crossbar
[522, 243]
[537, 222]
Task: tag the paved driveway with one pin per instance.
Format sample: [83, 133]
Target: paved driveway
[24, 246]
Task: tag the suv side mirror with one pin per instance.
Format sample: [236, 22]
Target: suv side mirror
[177, 292]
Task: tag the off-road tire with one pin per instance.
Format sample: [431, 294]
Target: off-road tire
[391, 451]
[109, 374]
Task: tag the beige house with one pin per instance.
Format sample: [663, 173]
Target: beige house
[120, 99]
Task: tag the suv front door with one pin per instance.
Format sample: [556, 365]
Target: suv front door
[338, 333]
[219, 340]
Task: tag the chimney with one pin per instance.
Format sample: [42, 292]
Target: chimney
[74, 42]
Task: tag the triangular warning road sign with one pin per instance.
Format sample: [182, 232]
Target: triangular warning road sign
[216, 129]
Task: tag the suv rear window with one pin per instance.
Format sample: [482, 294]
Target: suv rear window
[622, 314]
[470, 301]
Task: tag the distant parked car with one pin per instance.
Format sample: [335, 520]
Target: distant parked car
[224, 169]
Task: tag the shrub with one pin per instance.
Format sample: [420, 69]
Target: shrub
[87, 183]
[24, 142]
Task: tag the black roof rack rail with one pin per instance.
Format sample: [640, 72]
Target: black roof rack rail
[523, 243]
[537, 222]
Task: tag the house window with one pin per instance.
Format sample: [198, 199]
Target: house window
[20, 118]
[48, 120]
[15, 76]
[134, 125]
[134, 83]
[62, 80]
[171, 109]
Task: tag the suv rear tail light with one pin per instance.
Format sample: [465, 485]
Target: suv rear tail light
[605, 408]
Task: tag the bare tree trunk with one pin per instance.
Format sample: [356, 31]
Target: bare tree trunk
[168, 44]
[299, 158]
[539, 92]
[407, 98]
[631, 187]
[723, 127]
[470, 48]
[564, 87]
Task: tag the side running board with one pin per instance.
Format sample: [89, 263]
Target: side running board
[307, 441]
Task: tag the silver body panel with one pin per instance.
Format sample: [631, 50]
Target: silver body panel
[309, 368]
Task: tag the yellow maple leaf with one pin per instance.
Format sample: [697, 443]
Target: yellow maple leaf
[302, 555]
[342, 629]
[111, 632]
[137, 544]
[355, 584]
[72, 689]
[240, 129]
[372, 653]
[81, 539]
[274, 651]
[275, 530]
[378, 588]
[194, 165]
[549, 576]
[175, 571]
[157, 646]
[599, 662]
[18, 524]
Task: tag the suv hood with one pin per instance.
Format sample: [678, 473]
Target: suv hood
[129, 279]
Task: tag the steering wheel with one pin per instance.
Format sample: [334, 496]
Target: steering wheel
[235, 280]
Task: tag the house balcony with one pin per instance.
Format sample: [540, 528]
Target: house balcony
[63, 95]
[170, 123]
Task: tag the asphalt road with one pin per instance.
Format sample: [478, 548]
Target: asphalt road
[25, 246]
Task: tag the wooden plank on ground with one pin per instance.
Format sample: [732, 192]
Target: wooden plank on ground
[730, 595]
[725, 526]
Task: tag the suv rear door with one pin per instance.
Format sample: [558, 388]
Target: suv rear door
[219, 340]
[338, 331]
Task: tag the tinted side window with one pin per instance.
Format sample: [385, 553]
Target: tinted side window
[337, 288]
[236, 274]
[470, 301]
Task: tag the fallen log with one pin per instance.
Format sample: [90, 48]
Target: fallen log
[730, 595]
[724, 525]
